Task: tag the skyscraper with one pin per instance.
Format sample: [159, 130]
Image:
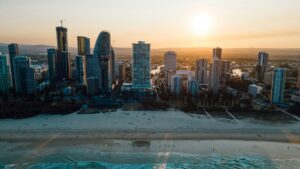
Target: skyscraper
[215, 76]
[13, 50]
[102, 62]
[89, 65]
[192, 87]
[83, 45]
[80, 70]
[217, 53]
[261, 67]
[62, 38]
[176, 85]
[170, 61]
[63, 55]
[113, 65]
[226, 69]
[141, 65]
[5, 77]
[52, 55]
[201, 70]
[215, 71]
[63, 65]
[24, 75]
[278, 86]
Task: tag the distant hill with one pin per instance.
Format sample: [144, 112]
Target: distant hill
[250, 53]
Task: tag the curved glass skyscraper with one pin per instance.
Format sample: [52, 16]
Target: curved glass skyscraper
[103, 62]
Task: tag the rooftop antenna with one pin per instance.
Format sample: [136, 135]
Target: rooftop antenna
[61, 22]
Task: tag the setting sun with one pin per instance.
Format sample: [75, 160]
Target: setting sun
[201, 25]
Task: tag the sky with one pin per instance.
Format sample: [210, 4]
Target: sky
[163, 23]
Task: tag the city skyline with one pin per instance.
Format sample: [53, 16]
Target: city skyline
[175, 24]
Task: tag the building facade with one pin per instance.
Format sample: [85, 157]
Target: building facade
[13, 50]
[278, 86]
[176, 86]
[5, 76]
[80, 71]
[226, 69]
[62, 38]
[141, 66]
[201, 71]
[170, 61]
[83, 45]
[215, 76]
[262, 65]
[63, 66]
[268, 77]
[102, 62]
[52, 55]
[24, 75]
[192, 87]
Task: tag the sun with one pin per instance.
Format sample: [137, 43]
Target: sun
[201, 25]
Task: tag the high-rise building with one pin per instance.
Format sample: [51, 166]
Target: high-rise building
[13, 50]
[192, 87]
[5, 76]
[217, 53]
[201, 71]
[80, 71]
[215, 76]
[24, 75]
[63, 65]
[170, 61]
[278, 85]
[176, 85]
[268, 77]
[226, 69]
[62, 38]
[102, 62]
[169, 75]
[52, 55]
[89, 65]
[298, 81]
[92, 85]
[261, 67]
[113, 65]
[141, 66]
[83, 45]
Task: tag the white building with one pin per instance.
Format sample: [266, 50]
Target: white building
[268, 76]
[170, 60]
[141, 66]
[254, 90]
[201, 71]
[262, 63]
[215, 76]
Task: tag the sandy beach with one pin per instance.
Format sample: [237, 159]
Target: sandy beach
[89, 136]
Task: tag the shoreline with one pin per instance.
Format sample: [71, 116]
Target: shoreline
[290, 136]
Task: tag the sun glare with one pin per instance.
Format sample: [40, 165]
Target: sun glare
[201, 25]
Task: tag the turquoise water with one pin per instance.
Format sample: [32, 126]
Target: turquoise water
[193, 162]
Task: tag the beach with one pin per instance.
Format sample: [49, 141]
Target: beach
[117, 135]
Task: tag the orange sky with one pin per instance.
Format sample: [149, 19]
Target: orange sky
[163, 23]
